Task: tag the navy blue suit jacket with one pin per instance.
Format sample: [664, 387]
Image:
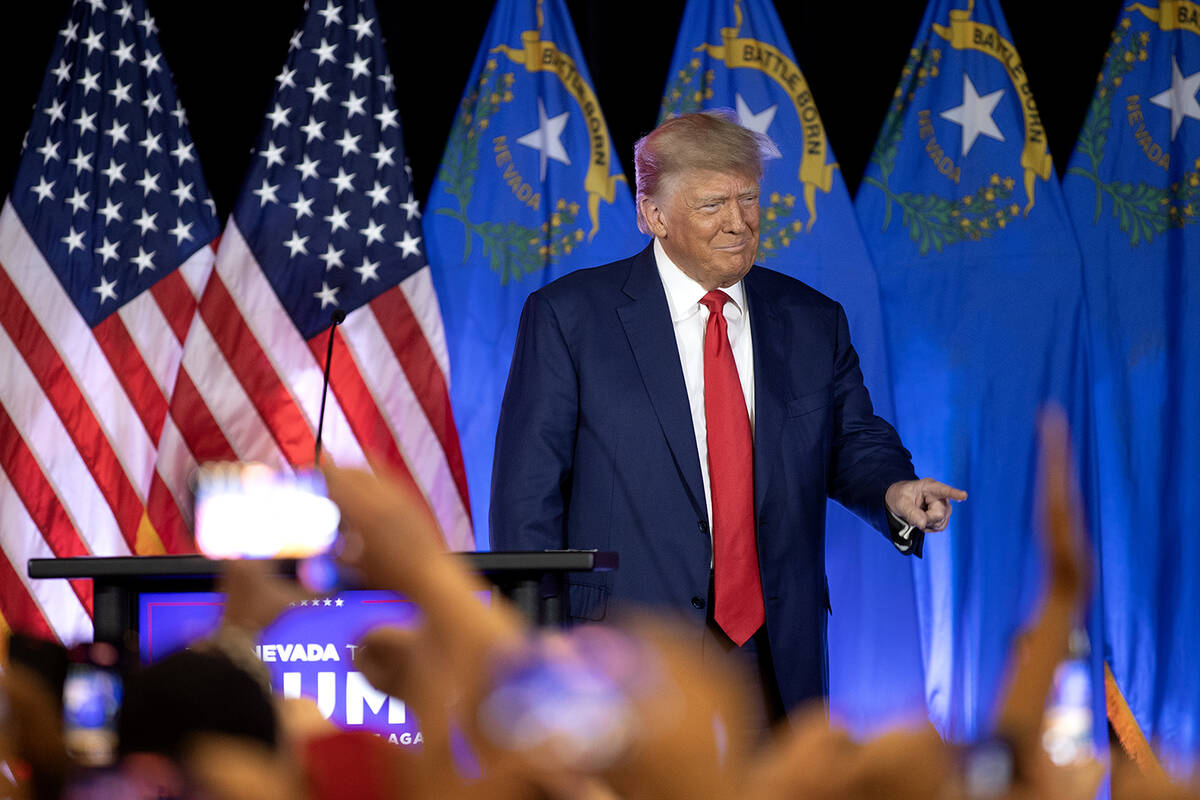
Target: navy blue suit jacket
[595, 449]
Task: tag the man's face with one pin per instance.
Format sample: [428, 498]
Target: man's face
[708, 225]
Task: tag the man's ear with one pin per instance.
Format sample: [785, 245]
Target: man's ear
[652, 212]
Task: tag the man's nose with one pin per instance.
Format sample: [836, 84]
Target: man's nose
[735, 218]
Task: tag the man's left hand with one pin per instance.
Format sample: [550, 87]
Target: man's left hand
[923, 503]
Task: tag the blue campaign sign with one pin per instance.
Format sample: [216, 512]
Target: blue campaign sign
[309, 651]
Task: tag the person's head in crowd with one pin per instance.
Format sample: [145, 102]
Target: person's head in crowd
[190, 693]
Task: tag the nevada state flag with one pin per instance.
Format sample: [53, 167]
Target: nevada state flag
[529, 189]
[982, 298]
[734, 54]
[1133, 190]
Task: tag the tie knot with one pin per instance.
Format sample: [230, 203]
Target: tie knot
[714, 301]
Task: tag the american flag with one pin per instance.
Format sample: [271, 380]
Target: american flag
[104, 246]
[326, 221]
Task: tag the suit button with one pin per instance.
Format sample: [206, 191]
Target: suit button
[697, 602]
[702, 525]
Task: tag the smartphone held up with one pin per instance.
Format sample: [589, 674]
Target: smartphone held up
[250, 510]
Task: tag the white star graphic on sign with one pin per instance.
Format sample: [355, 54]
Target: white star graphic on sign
[1180, 99]
[348, 143]
[43, 189]
[411, 208]
[359, 66]
[337, 220]
[378, 194]
[78, 201]
[327, 295]
[183, 152]
[107, 289]
[111, 211]
[123, 53]
[331, 13]
[302, 206]
[759, 123]
[146, 221]
[114, 172]
[325, 52]
[296, 244]
[387, 118]
[368, 270]
[143, 260]
[279, 116]
[410, 245]
[332, 257]
[273, 153]
[339, 602]
[181, 231]
[373, 231]
[975, 115]
[148, 182]
[55, 111]
[361, 28]
[307, 167]
[546, 139]
[342, 181]
[182, 192]
[107, 250]
[73, 240]
[120, 93]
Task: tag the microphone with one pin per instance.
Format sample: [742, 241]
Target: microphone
[337, 318]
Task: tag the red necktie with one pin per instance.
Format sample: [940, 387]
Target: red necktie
[739, 600]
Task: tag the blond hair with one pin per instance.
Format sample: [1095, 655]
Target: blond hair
[710, 141]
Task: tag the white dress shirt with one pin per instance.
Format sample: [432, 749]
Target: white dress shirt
[689, 319]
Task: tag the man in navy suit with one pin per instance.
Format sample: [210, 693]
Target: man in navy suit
[692, 412]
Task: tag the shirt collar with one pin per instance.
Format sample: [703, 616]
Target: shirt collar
[683, 293]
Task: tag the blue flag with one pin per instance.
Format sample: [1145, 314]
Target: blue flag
[733, 54]
[529, 189]
[982, 297]
[1133, 190]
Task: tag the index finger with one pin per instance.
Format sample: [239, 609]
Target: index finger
[939, 489]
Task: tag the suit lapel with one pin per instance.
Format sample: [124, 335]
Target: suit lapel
[770, 386]
[647, 321]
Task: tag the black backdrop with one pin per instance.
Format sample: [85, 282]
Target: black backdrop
[225, 54]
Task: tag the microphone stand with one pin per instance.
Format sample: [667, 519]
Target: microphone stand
[337, 317]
